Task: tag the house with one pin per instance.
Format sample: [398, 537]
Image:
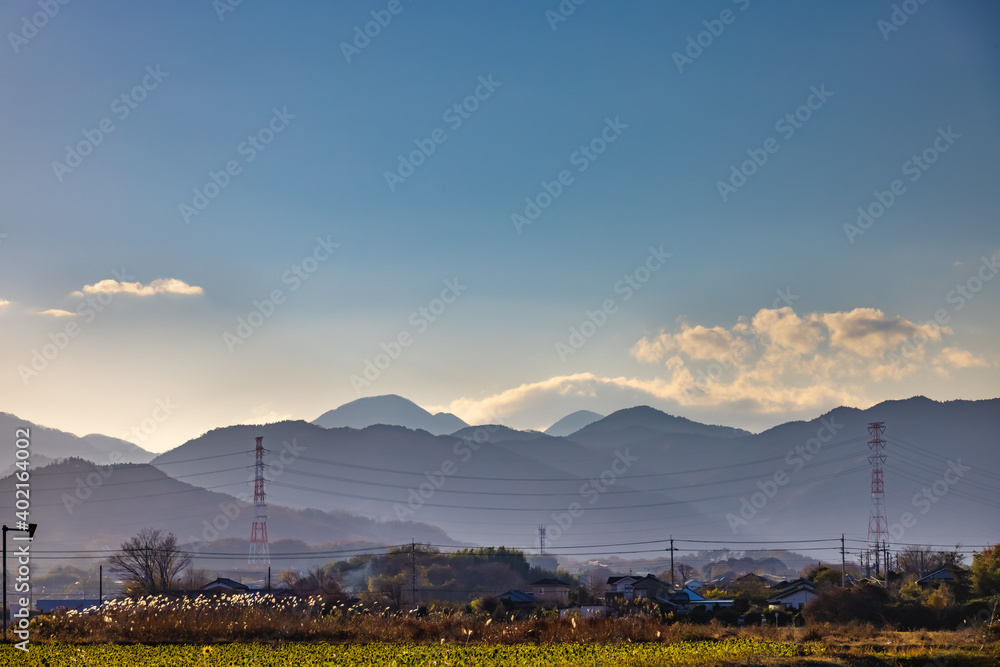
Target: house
[224, 585]
[652, 588]
[633, 587]
[938, 576]
[750, 580]
[620, 587]
[516, 600]
[792, 594]
[550, 591]
[688, 599]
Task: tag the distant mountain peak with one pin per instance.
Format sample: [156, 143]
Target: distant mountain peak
[649, 418]
[573, 422]
[391, 410]
[496, 433]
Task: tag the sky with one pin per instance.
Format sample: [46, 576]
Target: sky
[738, 212]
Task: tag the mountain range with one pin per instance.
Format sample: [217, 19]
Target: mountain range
[49, 444]
[84, 509]
[630, 478]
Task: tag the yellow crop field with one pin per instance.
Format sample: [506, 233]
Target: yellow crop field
[737, 651]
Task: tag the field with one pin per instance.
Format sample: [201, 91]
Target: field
[731, 651]
[164, 632]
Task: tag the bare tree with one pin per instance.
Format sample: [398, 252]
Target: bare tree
[919, 560]
[322, 580]
[150, 561]
[683, 573]
[289, 578]
[194, 579]
[386, 589]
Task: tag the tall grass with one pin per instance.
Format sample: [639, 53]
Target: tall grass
[244, 618]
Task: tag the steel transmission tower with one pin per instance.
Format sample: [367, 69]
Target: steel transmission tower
[260, 553]
[541, 540]
[878, 524]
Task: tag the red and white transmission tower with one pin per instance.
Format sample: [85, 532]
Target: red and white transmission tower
[878, 524]
[260, 553]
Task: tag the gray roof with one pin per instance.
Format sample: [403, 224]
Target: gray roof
[549, 581]
[224, 582]
[517, 596]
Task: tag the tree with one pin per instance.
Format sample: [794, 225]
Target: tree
[386, 589]
[322, 580]
[918, 560]
[826, 575]
[941, 598]
[833, 604]
[683, 573]
[151, 562]
[912, 592]
[986, 571]
[194, 579]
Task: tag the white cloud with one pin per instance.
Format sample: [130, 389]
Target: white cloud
[953, 357]
[779, 360]
[4, 303]
[158, 286]
[562, 394]
[56, 312]
[774, 363]
[651, 351]
[699, 342]
[786, 330]
[867, 333]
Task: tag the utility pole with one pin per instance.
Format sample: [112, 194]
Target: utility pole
[885, 547]
[673, 584]
[413, 578]
[843, 563]
[100, 585]
[268, 578]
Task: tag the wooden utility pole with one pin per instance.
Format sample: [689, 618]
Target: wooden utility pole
[843, 563]
[413, 578]
[673, 584]
[885, 548]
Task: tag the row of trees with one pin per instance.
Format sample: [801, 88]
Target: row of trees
[969, 593]
[152, 562]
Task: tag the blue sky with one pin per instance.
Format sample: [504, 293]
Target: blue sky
[851, 301]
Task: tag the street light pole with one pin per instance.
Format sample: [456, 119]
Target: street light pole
[31, 534]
